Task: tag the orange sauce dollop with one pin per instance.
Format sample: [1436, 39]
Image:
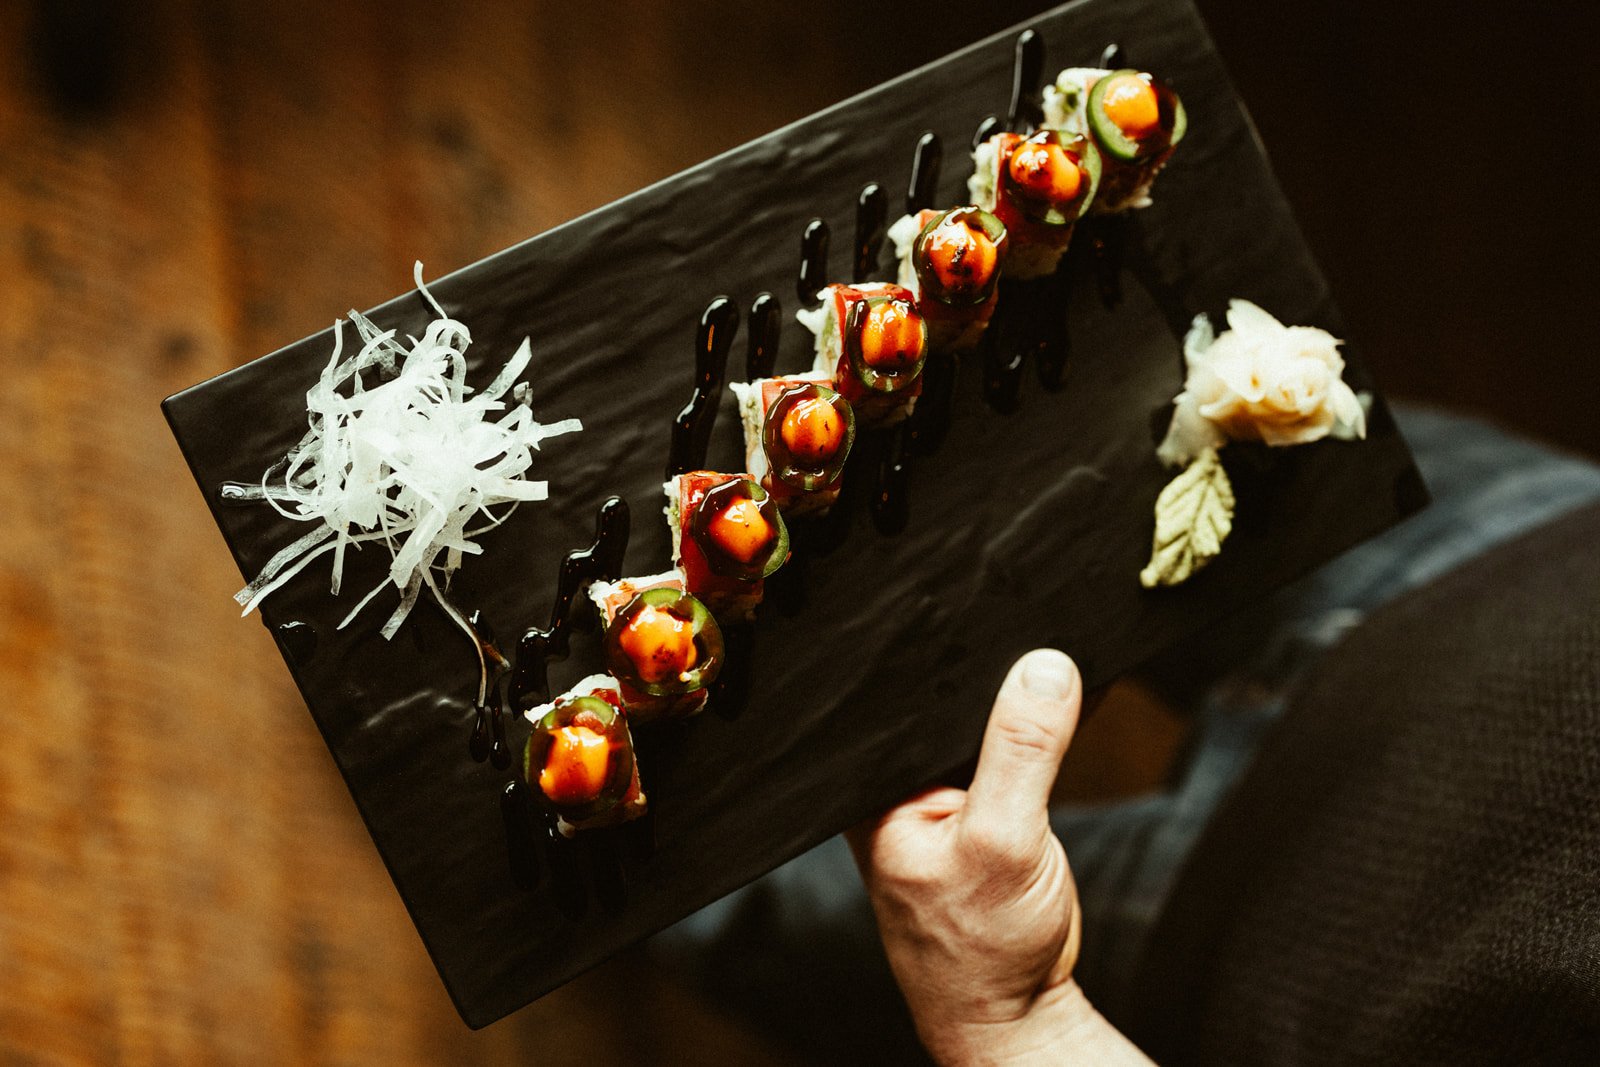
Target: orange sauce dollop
[660, 644]
[575, 768]
[812, 430]
[961, 255]
[1046, 172]
[892, 337]
[741, 530]
[1130, 103]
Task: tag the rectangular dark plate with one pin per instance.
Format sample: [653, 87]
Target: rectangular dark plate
[1025, 529]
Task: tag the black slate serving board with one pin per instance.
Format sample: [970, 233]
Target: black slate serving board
[1025, 529]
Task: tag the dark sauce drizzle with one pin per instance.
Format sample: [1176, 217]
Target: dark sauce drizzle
[488, 740]
[987, 129]
[516, 812]
[1052, 340]
[1027, 67]
[529, 830]
[1031, 319]
[561, 856]
[530, 682]
[925, 165]
[930, 423]
[691, 430]
[1108, 234]
[892, 453]
[299, 640]
[819, 536]
[813, 263]
[1004, 347]
[490, 743]
[730, 693]
[1107, 243]
[891, 508]
[766, 329]
[925, 430]
[872, 213]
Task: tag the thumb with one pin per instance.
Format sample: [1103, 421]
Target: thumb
[1034, 716]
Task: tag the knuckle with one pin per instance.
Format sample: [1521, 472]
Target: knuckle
[1028, 735]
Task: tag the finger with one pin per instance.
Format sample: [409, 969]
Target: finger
[1029, 730]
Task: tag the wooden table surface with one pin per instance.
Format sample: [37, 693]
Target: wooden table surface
[183, 188]
[244, 174]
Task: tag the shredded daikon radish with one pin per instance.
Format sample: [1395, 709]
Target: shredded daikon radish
[401, 451]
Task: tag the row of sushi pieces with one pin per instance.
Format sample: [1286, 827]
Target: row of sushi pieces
[1106, 134]
[662, 640]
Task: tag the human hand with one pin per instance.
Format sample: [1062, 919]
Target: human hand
[974, 898]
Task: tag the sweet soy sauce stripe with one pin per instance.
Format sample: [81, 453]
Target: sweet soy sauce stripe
[1029, 321]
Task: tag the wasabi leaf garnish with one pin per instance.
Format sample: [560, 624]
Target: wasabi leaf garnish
[402, 452]
[1194, 515]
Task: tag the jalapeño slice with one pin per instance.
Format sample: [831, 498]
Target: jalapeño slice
[885, 341]
[1050, 177]
[739, 530]
[579, 758]
[807, 436]
[1134, 116]
[665, 643]
[958, 256]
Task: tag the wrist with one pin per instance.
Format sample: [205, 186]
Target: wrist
[1060, 1026]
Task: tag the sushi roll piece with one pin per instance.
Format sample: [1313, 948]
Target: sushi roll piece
[871, 343]
[727, 538]
[579, 759]
[951, 261]
[1134, 119]
[797, 435]
[661, 644]
[1038, 187]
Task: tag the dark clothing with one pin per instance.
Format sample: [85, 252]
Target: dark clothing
[1409, 872]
